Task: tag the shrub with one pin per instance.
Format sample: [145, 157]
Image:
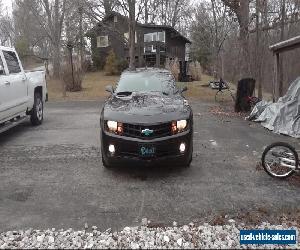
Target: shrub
[111, 65]
[22, 47]
[122, 65]
[78, 74]
[195, 70]
[173, 66]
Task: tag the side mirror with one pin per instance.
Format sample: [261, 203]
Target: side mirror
[109, 89]
[1, 70]
[184, 89]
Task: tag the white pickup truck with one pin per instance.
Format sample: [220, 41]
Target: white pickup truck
[22, 93]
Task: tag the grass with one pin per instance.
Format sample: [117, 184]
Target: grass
[94, 84]
[201, 90]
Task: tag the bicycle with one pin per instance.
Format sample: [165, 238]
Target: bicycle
[223, 92]
[280, 160]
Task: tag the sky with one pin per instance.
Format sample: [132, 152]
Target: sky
[7, 4]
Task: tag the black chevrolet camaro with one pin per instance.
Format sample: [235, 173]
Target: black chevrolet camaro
[146, 121]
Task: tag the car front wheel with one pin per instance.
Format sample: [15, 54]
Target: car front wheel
[37, 114]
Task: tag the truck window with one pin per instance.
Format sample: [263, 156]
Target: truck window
[12, 62]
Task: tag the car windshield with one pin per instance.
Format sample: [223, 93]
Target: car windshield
[147, 81]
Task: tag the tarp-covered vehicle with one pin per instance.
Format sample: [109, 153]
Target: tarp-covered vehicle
[282, 117]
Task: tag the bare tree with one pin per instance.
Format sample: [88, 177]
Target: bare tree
[132, 25]
[50, 16]
[98, 9]
[241, 9]
[6, 27]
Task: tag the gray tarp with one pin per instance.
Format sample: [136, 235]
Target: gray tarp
[282, 117]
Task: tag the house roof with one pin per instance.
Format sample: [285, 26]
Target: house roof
[166, 27]
[286, 45]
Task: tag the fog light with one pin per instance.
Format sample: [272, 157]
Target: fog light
[182, 148]
[111, 149]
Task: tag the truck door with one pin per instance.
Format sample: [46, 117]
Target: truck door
[17, 81]
[4, 91]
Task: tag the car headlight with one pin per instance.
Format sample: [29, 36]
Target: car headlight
[179, 126]
[115, 127]
[112, 126]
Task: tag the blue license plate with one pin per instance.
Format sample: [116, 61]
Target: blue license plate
[147, 150]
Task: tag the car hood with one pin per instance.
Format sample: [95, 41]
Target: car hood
[142, 108]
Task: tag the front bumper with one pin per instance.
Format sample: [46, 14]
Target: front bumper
[128, 150]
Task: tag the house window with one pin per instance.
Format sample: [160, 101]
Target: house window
[148, 38]
[115, 19]
[162, 36]
[150, 49]
[102, 41]
[155, 37]
[126, 36]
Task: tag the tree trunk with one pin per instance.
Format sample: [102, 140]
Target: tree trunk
[132, 24]
[81, 46]
[215, 40]
[107, 6]
[175, 14]
[146, 11]
[56, 60]
[283, 13]
[244, 38]
[257, 52]
[56, 41]
[242, 10]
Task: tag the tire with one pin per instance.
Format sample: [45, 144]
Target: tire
[104, 162]
[288, 150]
[190, 159]
[37, 113]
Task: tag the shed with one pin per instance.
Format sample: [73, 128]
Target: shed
[278, 49]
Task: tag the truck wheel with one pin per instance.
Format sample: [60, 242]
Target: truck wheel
[37, 113]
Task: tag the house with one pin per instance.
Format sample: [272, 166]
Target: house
[154, 43]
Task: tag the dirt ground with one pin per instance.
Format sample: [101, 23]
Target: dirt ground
[94, 89]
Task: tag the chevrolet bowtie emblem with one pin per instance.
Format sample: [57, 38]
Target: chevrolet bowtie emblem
[147, 132]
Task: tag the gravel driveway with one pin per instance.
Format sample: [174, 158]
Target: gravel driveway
[52, 176]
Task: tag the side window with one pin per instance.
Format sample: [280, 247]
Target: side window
[102, 41]
[1, 67]
[12, 62]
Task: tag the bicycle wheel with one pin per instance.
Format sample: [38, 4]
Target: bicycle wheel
[280, 160]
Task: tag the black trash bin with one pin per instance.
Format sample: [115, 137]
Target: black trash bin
[245, 90]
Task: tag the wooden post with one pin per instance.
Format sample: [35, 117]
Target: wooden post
[157, 55]
[277, 78]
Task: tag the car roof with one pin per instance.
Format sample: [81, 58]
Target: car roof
[150, 70]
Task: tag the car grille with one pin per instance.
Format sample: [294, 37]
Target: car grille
[154, 131]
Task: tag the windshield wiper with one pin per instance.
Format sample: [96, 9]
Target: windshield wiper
[124, 93]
